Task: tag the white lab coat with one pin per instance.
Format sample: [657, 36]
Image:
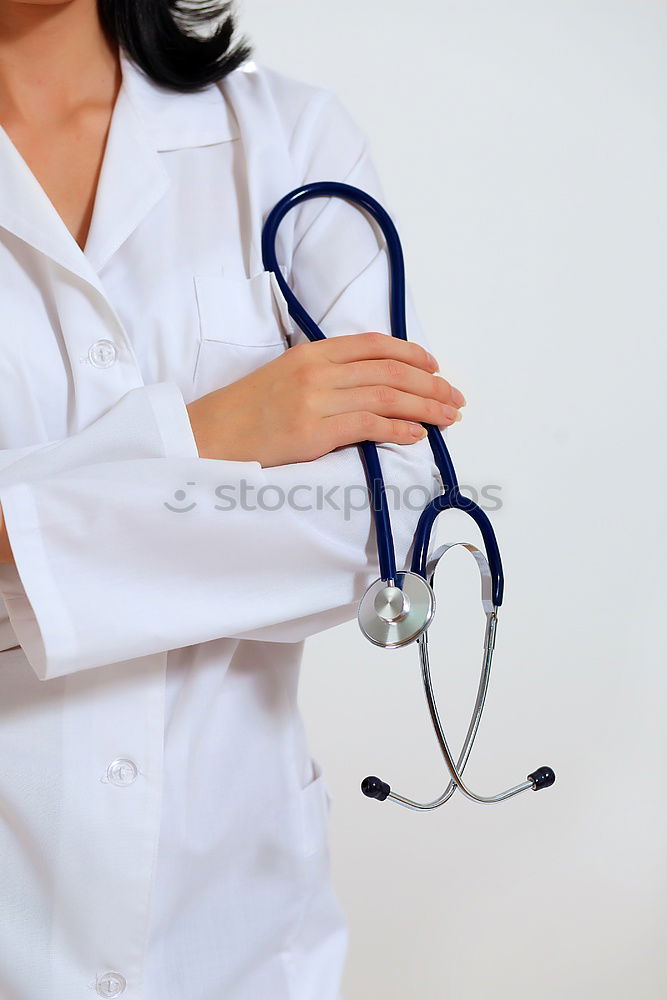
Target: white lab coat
[163, 827]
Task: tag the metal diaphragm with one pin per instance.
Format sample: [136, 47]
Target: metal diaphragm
[393, 616]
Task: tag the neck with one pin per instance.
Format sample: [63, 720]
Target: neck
[54, 58]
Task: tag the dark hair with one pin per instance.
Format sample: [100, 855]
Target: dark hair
[158, 36]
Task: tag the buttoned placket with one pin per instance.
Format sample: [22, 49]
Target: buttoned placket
[121, 782]
[113, 717]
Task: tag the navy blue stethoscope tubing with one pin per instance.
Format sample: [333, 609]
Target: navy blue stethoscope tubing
[452, 498]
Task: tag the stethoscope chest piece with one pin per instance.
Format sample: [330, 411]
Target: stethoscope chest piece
[395, 615]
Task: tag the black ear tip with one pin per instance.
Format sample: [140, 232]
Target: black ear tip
[374, 788]
[544, 777]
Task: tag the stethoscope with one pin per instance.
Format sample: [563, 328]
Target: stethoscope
[399, 607]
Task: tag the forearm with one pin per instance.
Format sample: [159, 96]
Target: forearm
[6, 555]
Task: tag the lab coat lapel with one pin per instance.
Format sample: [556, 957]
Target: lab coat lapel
[147, 119]
[27, 212]
[132, 180]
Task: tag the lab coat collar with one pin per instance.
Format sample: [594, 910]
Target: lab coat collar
[176, 121]
[147, 120]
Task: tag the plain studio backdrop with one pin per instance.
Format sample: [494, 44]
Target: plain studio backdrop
[522, 146]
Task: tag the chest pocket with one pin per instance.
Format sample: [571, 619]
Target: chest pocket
[243, 324]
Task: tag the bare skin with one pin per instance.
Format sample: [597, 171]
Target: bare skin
[59, 79]
[58, 84]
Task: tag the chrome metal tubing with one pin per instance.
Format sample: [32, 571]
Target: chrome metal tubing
[474, 721]
[456, 770]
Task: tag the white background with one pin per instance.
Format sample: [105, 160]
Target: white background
[523, 150]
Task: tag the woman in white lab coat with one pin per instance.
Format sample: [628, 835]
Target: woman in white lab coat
[180, 503]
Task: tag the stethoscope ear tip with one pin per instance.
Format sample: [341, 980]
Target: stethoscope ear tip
[544, 777]
[374, 788]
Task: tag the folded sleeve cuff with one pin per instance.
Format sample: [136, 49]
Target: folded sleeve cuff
[46, 606]
[172, 419]
[36, 605]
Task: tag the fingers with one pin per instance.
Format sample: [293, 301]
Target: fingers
[369, 346]
[373, 387]
[351, 428]
[398, 375]
[385, 401]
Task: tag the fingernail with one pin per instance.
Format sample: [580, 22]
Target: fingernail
[418, 431]
[459, 415]
[434, 362]
[459, 398]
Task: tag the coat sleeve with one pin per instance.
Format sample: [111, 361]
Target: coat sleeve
[125, 548]
[147, 422]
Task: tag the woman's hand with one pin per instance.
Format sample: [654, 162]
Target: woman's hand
[321, 395]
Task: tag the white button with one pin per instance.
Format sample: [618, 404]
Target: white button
[102, 354]
[122, 771]
[111, 984]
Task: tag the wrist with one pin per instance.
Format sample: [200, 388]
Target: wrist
[200, 425]
[6, 554]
